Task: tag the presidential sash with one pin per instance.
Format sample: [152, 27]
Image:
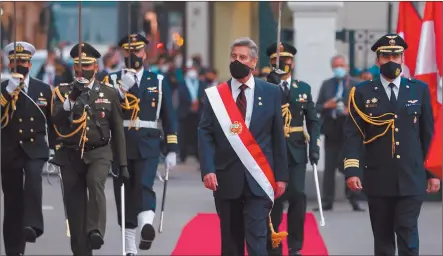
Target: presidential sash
[240, 138]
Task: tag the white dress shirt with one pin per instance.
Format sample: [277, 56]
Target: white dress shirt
[288, 80]
[26, 82]
[249, 93]
[396, 88]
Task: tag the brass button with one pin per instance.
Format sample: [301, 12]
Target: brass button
[32, 119]
[21, 142]
[20, 131]
[88, 118]
[370, 114]
[415, 113]
[396, 116]
[397, 143]
[396, 129]
[31, 140]
[87, 128]
[32, 130]
[20, 120]
[398, 156]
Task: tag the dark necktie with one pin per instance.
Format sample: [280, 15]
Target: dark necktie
[134, 88]
[393, 99]
[285, 89]
[241, 100]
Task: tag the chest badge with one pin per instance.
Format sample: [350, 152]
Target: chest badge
[235, 128]
[41, 94]
[102, 114]
[374, 100]
[101, 95]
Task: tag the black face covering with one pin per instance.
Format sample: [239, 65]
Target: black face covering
[390, 70]
[21, 70]
[283, 66]
[88, 74]
[135, 62]
[239, 70]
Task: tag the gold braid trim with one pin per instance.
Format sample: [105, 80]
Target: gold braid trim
[371, 120]
[286, 113]
[132, 104]
[81, 121]
[276, 238]
[12, 104]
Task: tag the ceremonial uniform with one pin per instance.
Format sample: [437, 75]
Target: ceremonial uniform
[393, 118]
[297, 107]
[25, 118]
[84, 126]
[145, 98]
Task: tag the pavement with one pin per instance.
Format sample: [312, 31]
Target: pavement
[345, 233]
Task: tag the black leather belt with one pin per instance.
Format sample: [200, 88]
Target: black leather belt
[88, 147]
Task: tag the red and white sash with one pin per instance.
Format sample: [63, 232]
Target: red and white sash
[240, 138]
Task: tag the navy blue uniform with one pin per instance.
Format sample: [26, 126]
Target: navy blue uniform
[394, 177]
[143, 144]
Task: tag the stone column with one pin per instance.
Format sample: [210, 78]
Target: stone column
[314, 37]
[197, 30]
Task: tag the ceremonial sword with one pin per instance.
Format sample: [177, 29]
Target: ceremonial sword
[277, 61]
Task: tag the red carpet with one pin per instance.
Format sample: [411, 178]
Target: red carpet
[201, 236]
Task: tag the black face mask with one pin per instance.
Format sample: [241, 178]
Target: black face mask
[87, 74]
[114, 65]
[390, 70]
[283, 66]
[135, 63]
[239, 70]
[21, 70]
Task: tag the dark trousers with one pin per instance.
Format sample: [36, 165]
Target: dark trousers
[244, 218]
[296, 198]
[85, 214]
[22, 201]
[333, 161]
[392, 216]
[188, 136]
[139, 193]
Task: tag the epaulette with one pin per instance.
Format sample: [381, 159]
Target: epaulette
[363, 83]
[416, 81]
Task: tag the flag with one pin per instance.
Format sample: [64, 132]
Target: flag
[409, 25]
[429, 69]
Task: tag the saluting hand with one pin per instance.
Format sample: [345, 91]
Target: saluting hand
[128, 80]
[433, 185]
[210, 181]
[354, 183]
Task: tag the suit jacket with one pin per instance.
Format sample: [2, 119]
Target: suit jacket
[185, 100]
[330, 127]
[63, 73]
[385, 173]
[26, 126]
[217, 156]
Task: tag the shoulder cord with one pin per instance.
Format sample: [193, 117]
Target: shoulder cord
[371, 120]
[12, 104]
[286, 113]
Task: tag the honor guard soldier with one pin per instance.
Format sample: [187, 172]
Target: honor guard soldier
[297, 106]
[392, 117]
[25, 118]
[85, 114]
[145, 98]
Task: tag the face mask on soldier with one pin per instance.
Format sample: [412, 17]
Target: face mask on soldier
[133, 61]
[390, 70]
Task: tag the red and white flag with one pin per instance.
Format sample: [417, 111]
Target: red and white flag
[409, 25]
[429, 70]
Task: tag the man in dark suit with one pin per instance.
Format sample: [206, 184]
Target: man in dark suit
[331, 105]
[191, 93]
[26, 127]
[242, 151]
[392, 117]
[55, 71]
[145, 99]
[297, 107]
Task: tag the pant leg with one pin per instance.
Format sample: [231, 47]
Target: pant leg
[407, 211]
[75, 199]
[33, 193]
[331, 156]
[12, 186]
[96, 207]
[255, 216]
[183, 140]
[382, 215]
[297, 207]
[230, 213]
[131, 197]
[146, 169]
[192, 132]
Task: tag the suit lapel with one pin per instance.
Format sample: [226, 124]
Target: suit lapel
[258, 108]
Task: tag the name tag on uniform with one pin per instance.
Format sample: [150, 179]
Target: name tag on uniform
[42, 102]
[105, 101]
[152, 89]
[412, 103]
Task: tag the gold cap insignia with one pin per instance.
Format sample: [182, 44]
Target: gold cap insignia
[83, 54]
[235, 128]
[392, 42]
[19, 48]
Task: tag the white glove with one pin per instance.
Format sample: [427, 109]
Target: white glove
[13, 83]
[128, 80]
[68, 105]
[171, 159]
[51, 153]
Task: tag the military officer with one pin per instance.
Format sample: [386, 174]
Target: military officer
[392, 117]
[85, 114]
[25, 118]
[297, 105]
[146, 98]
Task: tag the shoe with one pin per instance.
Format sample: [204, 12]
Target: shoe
[356, 207]
[147, 237]
[327, 207]
[295, 253]
[30, 235]
[95, 240]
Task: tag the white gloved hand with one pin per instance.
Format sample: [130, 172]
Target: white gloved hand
[171, 159]
[13, 83]
[128, 80]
